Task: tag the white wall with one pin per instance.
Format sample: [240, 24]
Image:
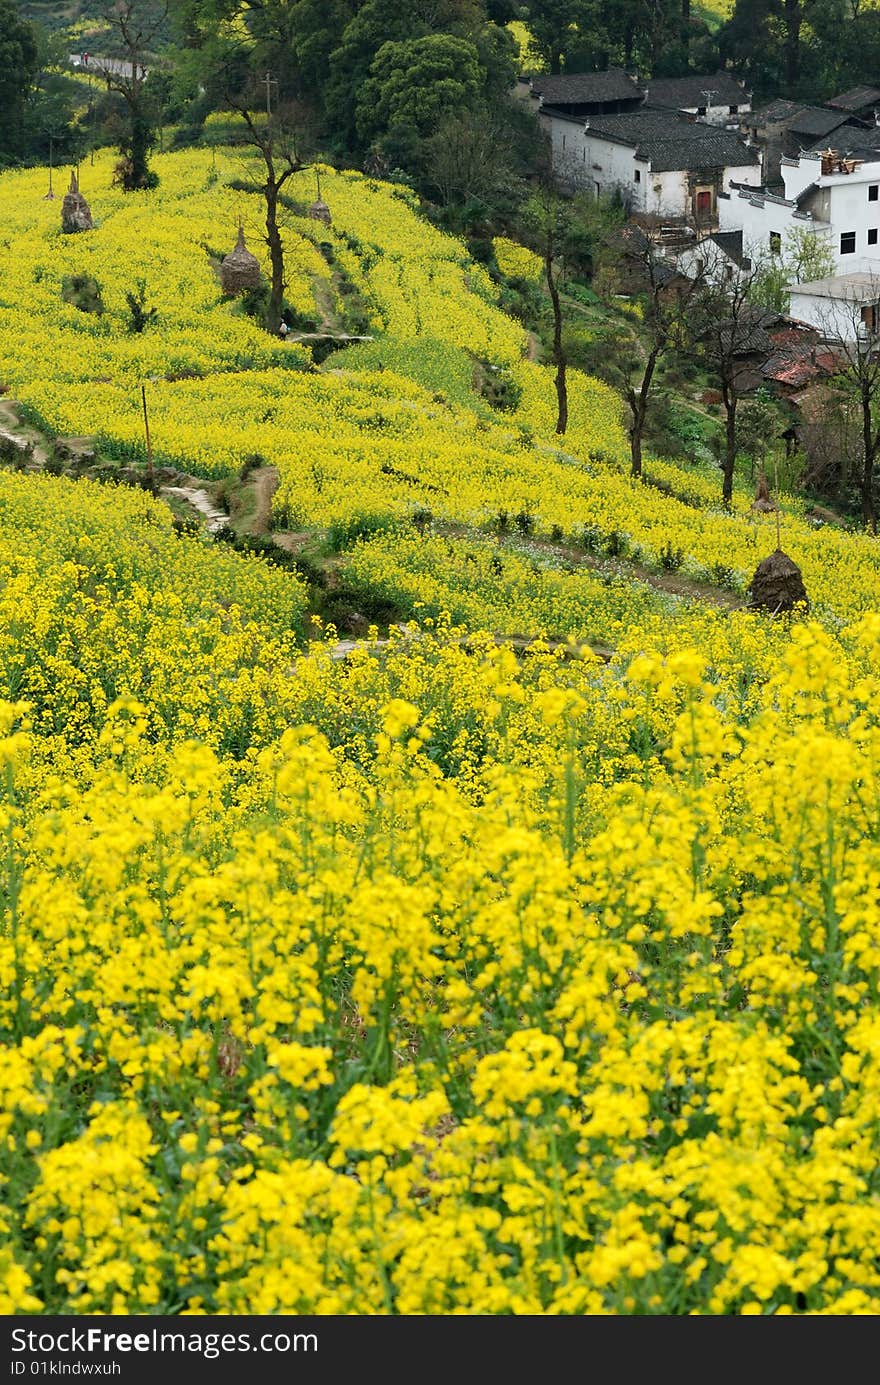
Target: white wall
[832, 316]
[760, 217]
[614, 166]
[708, 259]
[748, 173]
[797, 174]
[842, 200]
[850, 210]
[582, 158]
[720, 115]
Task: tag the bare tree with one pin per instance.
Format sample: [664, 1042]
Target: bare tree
[852, 328]
[551, 220]
[277, 138]
[136, 26]
[726, 333]
[635, 262]
[468, 156]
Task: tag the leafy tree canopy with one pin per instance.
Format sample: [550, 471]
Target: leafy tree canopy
[414, 83]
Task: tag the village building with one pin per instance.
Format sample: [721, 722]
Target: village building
[845, 307]
[718, 98]
[785, 129]
[832, 197]
[588, 93]
[863, 102]
[660, 162]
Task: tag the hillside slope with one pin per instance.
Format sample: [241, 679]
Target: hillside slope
[452, 975]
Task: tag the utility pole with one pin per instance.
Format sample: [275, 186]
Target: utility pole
[91, 122]
[150, 476]
[270, 82]
[50, 195]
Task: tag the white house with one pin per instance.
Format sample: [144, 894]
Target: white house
[660, 161]
[836, 199]
[844, 307]
[716, 257]
[102, 67]
[715, 97]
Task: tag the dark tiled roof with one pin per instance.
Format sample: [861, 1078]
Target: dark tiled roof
[849, 139]
[584, 88]
[794, 361]
[806, 193]
[731, 242]
[687, 93]
[671, 141]
[774, 112]
[557, 113]
[814, 121]
[746, 337]
[855, 99]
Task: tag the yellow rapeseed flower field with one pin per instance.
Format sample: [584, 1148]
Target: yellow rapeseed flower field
[444, 977]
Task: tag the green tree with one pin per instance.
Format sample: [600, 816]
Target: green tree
[376, 23]
[554, 25]
[136, 27]
[794, 48]
[19, 63]
[291, 40]
[415, 83]
[802, 257]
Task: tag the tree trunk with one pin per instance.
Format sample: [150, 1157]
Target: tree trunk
[635, 447]
[140, 145]
[629, 37]
[561, 396]
[730, 403]
[276, 259]
[638, 405]
[558, 353]
[792, 19]
[869, 516]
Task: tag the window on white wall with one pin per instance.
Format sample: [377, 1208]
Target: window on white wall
[638, 175]
[775, 243]
[872, 235]
[873, 191]
[847, 242]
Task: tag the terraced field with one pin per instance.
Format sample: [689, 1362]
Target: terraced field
[523, 960]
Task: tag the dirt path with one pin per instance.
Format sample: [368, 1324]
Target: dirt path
[12, 428]
[200, 500]
[674, 583]
[324, 302]
[519, 643]
[265, 480]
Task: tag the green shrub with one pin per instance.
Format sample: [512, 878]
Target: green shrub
[82, 291]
